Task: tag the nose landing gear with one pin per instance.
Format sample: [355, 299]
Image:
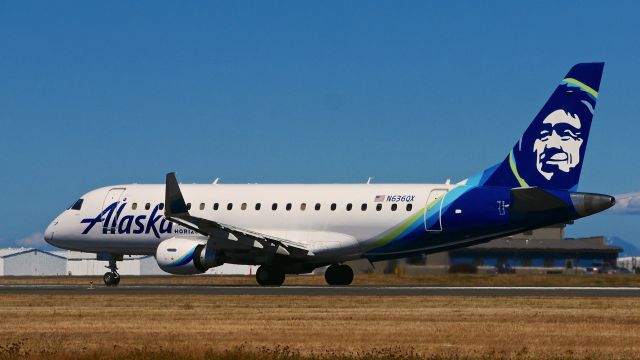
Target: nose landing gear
[112, 278]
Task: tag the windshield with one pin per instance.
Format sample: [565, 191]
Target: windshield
[77, 205]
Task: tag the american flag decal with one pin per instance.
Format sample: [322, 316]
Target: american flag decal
[379, 198]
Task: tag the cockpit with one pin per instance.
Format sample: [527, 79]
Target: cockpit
[76, 205]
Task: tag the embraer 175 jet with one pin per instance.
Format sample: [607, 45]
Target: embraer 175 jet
[294, 229]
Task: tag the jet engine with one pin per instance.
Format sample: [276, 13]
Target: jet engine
[185, 256]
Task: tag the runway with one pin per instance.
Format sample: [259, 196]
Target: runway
[523, 291]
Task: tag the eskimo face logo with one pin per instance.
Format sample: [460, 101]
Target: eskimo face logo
[557, 146]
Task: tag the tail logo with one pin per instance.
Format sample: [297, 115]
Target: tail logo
[558, 142]
[551, 151]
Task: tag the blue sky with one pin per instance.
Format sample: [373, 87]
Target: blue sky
[93, 94]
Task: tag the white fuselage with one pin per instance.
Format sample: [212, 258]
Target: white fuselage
[337, 220]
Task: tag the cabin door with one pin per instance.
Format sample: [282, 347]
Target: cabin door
[114, 195]
[433, 210]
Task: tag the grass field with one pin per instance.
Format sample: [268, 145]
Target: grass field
[104, 326]
[362, 279]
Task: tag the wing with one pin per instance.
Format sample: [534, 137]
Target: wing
[176, 211]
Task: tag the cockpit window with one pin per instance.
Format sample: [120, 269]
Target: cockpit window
[77, 205]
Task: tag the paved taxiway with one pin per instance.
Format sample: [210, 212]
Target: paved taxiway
[322, 290]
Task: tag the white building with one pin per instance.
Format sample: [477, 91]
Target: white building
[34, 262]
[81, 263]
[28, 261]
[629, 262]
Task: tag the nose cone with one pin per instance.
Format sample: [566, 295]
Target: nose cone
[587, 204]
[48, 233]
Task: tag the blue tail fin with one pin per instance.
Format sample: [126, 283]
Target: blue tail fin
[551, 151]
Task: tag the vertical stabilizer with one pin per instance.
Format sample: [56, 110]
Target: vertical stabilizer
[551, 151]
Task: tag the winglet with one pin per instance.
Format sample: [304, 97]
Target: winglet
[173, 199]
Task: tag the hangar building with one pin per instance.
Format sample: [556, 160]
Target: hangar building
[536, 251]
[629, 262]
[539, 250]
[25, 261]
[81, 263]
[35, 262]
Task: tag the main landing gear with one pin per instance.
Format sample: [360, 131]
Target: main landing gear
[269, 275]
[112, 278]
[338, 274]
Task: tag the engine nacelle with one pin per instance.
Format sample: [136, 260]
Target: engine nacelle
[185, 256]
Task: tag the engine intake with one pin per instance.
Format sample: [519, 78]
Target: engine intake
[185, 256]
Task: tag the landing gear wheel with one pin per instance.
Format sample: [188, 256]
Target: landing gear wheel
[337, 274]
[111, 279]
[270, 276]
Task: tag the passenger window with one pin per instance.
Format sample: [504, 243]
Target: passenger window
[172, 250]
[333, 207]
[378, 207]
[229, 206]
[161, 206]
[394, 207]
[274, 206]
[243, 206]
[216, 206]
[201, 206]
[77, 205]
[147, 206]
[409, 206]
[363, 207]
[257, 206]
[349, 206]
[288, 206]
[134, 206]
[188, 206]
[317, 206]
[303, 206]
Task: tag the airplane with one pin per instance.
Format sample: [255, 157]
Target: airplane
[296, 228]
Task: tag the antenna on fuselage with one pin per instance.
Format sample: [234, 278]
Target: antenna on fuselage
[369, 180]
[216, 180]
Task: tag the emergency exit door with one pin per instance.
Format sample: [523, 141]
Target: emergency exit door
[433, 210]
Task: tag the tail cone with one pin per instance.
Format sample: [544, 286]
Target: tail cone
[587, 204]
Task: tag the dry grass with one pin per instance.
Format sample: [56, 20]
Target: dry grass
[279, 327]
[362, 279]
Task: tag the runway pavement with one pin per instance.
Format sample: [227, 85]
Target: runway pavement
[320, 290]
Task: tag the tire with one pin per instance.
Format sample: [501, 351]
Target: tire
[108, 278]
[262, 276]
[270, 276]
[337, 275]
[330, 275]
[278, 277]
[346, 274]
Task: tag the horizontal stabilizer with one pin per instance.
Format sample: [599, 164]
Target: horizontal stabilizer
[532, 200]
[528, 201]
